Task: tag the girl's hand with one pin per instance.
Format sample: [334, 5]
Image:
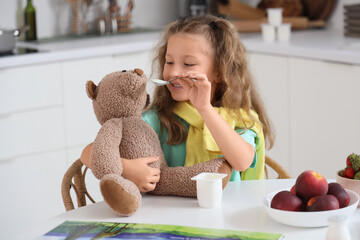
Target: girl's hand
[199, 91]
[138, 171]
[85, 155]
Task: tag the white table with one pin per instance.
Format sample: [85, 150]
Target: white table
[241, 210]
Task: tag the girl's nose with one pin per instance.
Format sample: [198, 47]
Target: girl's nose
[175, 71]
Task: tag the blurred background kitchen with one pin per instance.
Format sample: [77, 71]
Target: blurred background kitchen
[55, 17]
[310, 82]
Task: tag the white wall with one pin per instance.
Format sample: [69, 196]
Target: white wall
[54, 16]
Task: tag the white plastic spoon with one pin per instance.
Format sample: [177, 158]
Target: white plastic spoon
[161, 82]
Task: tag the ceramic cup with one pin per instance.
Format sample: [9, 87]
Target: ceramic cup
[284, 32]
[209, 189]
[274, 16]
[268, 32]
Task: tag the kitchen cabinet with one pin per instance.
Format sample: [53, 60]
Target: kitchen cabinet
[314, 107]
[271, 76]
[30, 87]
[32, 145]
[324, 114]
[31, 113]
[31, 132]
[30, 190]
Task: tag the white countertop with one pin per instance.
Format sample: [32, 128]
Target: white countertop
[313, 44]
[81, 48]
[324, 45]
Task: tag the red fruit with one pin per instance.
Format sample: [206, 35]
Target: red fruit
[292, 190]
[342, 173]
[354, 161]
[287, 201]
[310, 184]
[349, 172]
[339, 192]
[322, 203]
[348, 161]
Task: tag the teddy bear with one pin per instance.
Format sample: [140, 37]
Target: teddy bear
[118, 101]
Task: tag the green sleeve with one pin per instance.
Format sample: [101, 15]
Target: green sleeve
[249, 136]
[174, 154]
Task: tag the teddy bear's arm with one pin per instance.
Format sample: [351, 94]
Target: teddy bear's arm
[105, 157]
[177, 181]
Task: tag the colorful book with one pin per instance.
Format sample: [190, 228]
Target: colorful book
[112, 230]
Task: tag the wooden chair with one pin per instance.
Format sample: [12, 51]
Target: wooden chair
[75, 178]
[282, 173]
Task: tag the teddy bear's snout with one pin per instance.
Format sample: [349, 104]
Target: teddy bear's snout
[139, 71]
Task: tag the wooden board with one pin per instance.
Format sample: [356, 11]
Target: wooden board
[297, 23]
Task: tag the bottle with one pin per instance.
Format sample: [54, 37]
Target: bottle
[30, 20]
[337, 229]
[20, 18]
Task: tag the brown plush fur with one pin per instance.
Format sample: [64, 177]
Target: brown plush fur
[118, 101]
[177, 181]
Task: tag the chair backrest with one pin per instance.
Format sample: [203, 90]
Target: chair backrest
[282, 173]
[75, 178]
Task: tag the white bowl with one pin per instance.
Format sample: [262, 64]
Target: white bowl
[308, 219]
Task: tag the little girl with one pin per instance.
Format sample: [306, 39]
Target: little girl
[212, 109]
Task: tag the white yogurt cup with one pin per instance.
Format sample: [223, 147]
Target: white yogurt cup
[268, 32]
[274, 16]
[209, 189]
[284, 32]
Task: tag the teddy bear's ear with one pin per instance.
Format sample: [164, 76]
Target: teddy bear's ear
[90, 89]
[139, 71]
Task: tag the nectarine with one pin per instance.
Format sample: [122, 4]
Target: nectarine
[310, 184]
[322, 203]
[285, 200]
[292, 190]
[339, 192]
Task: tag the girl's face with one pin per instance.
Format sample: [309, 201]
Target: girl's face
[188, 53]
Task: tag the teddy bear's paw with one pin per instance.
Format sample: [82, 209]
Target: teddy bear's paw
[120, 194]
[226, 169]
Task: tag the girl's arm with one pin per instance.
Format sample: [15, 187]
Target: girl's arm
[136, 170]
[85, 155]
[234, 148]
